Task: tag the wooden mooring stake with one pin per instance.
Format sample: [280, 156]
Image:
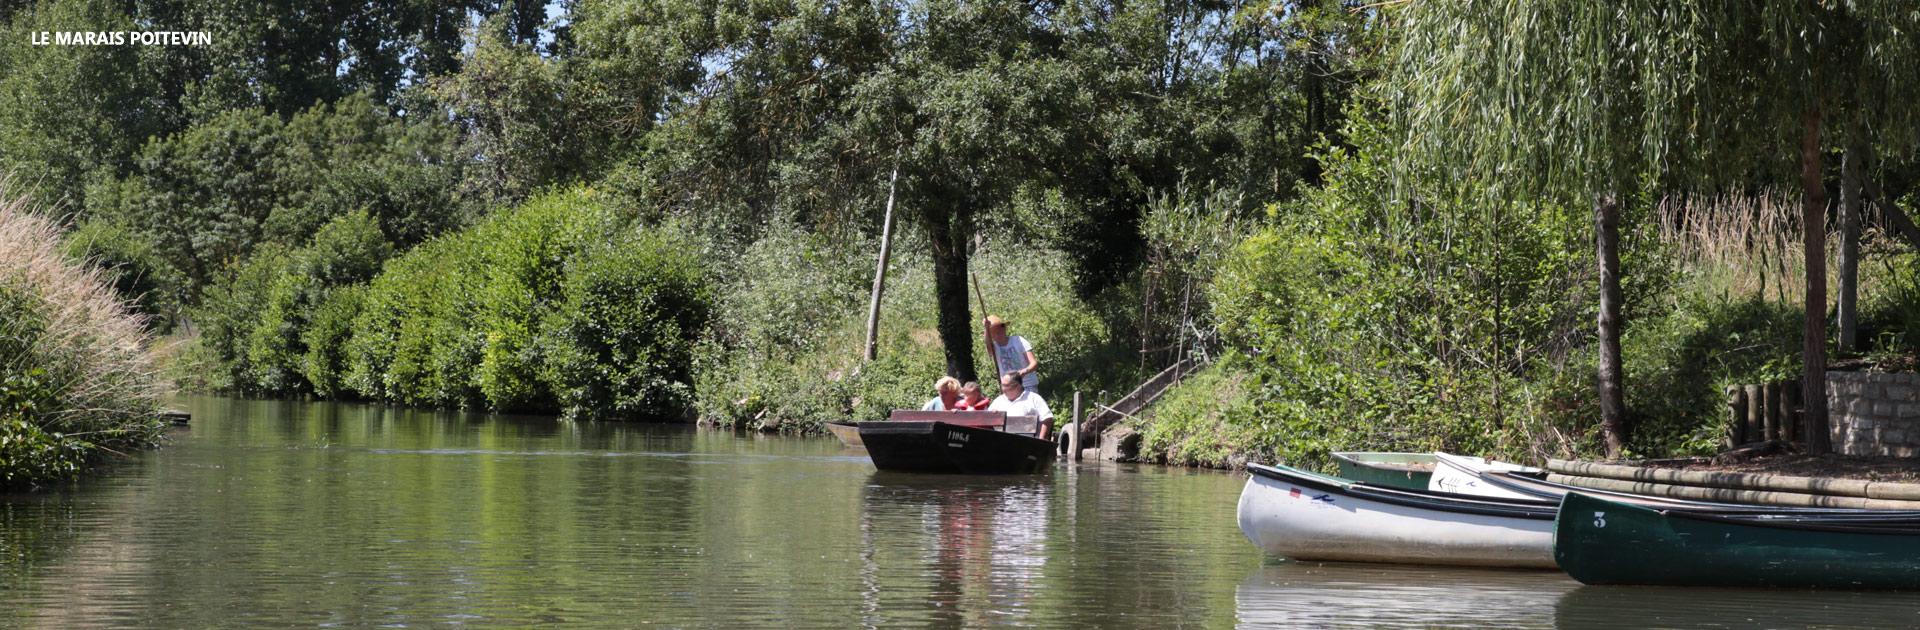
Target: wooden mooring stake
[1761, 412]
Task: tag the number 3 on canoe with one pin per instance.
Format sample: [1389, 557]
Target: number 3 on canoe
[1599, 519]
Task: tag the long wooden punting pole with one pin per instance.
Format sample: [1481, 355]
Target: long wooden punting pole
[992, 356]
[880, 274]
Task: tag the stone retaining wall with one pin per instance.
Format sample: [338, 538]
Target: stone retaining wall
[1874, 414]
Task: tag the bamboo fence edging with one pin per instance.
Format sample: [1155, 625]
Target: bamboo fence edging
[1855, 488]
[1731, 495]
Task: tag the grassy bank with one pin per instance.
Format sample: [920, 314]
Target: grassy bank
[1331, 348]
[76, 380]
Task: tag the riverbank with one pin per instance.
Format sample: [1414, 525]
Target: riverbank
[1828, 466]
[76, 380]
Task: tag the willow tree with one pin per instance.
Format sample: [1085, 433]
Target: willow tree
[1539, 101]
[1567, 99]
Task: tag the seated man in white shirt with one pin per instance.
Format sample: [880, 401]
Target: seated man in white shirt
[1017, 401]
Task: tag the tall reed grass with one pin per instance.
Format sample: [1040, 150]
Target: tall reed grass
[76, 378]
[1750, 246]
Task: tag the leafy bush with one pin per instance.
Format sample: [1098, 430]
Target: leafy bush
[1893, 315]
[619, 342]
[553, 306]
[326, 337]
[257, 320]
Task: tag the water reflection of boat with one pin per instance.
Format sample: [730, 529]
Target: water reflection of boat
[1610, 607]
[1303, 516]
[974, 548]
[1336, 595]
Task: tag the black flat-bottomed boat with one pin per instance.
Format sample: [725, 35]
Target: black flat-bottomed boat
[965, 442]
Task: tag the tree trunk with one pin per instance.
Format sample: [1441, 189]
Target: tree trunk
[1849, 295]
[1814, 338]
[1613, 406]
[949, 244]
[880, 273]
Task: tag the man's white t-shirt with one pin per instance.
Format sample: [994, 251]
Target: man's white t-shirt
[1028, 404]
[1013, 356]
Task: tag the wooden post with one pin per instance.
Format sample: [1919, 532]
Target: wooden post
[1847, 310]
[1073, 431]
[1737, 410]
[880, 274]
[1790, 402]
[1756, 410]
[1770, 427]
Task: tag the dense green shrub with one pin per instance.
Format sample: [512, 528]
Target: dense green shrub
[619, 343]
[258, 319]
[1892, 317]
[229, 311]
[556, 305]
[76, 381]
[329, 330]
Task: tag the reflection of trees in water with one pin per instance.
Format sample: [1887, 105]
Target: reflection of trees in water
[34, 531]
[71, 547]
[980, 545]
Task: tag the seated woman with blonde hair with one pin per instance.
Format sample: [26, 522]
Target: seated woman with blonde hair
[948, 389]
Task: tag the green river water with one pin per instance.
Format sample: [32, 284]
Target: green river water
[283, 514]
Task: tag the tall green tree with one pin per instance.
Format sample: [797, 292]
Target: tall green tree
[1050, 123]
[67, 111]
[207, 197]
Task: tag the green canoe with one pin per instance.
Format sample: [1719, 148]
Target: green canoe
[1602, 542]
[1401, 470]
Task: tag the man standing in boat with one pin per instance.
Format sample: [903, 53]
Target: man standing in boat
[1012, 354]
[1016, 400]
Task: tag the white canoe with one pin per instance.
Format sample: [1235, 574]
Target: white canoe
[1303, 516]
[1460, 474]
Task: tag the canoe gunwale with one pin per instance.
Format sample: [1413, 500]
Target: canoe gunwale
[1526, 483]
[1897, 524]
